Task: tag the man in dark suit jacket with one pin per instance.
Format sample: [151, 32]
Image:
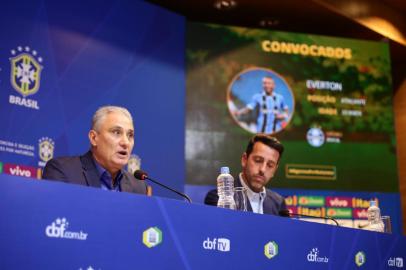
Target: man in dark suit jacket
[112, 140]
[259, 163]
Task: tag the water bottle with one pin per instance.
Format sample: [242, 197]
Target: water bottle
[374, 218]
[225, 189]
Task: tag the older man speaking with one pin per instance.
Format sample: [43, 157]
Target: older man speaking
[112, 140]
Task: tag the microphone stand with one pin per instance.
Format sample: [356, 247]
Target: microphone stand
[141, 175]
[171, 189]
[287, 213]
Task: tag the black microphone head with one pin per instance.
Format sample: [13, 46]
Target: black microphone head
[284, 213]
[140, 175]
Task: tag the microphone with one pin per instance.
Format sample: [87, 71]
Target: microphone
[287, 213]
[141, 175]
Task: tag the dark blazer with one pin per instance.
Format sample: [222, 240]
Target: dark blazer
[82, 170]
[273, 202]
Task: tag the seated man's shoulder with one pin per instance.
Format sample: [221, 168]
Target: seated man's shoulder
[211, 197]
[60, 168]
[275, 204]
[275, 195]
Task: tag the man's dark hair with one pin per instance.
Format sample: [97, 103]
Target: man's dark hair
[268, 140]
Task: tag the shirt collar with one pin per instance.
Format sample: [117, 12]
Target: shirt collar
[250, 192]
[106, 179]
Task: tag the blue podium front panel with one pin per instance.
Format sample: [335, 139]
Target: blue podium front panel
[47, 225]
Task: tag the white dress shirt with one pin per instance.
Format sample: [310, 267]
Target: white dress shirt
[256, 198]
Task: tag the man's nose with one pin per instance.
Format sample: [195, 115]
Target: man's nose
[124, 141]
[262, 168]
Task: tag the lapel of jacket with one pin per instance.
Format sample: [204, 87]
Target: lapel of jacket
[125, 183]
[267, 205]
[89, 170]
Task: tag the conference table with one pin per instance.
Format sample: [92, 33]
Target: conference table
[51, 225]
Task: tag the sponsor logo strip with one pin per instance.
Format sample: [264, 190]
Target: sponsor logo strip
[20, 170]
[339, 212]
[315, 201]
[338, 202]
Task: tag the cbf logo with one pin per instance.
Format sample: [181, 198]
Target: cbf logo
[46, 148]
[360, 258]
[25, 71]
[313, 256]
[220, 244]
[396, 262]
[89, 268]
[134, 163]
[58, 229]
[25, 76]
[271, 249]
[152, 237]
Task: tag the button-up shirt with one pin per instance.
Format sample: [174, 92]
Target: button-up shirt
[106, 180]
[256, 198]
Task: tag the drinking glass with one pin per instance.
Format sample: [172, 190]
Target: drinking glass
[387, 224]
[240, 198]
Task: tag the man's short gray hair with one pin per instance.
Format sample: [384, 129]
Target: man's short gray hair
[105, 110]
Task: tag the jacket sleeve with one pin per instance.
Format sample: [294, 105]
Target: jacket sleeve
[211, 198]
[283, 205]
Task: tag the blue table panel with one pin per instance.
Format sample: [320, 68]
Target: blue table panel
[193, 236]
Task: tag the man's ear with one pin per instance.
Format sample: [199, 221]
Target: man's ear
[93, 137]
[279, 161]
[244, 160]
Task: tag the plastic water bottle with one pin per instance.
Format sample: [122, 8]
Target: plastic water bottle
[225, 189]
[374, 218]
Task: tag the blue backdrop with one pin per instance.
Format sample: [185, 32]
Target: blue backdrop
[75, 56]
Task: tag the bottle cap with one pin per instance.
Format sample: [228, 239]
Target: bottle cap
[224, 170]
[372, 203]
